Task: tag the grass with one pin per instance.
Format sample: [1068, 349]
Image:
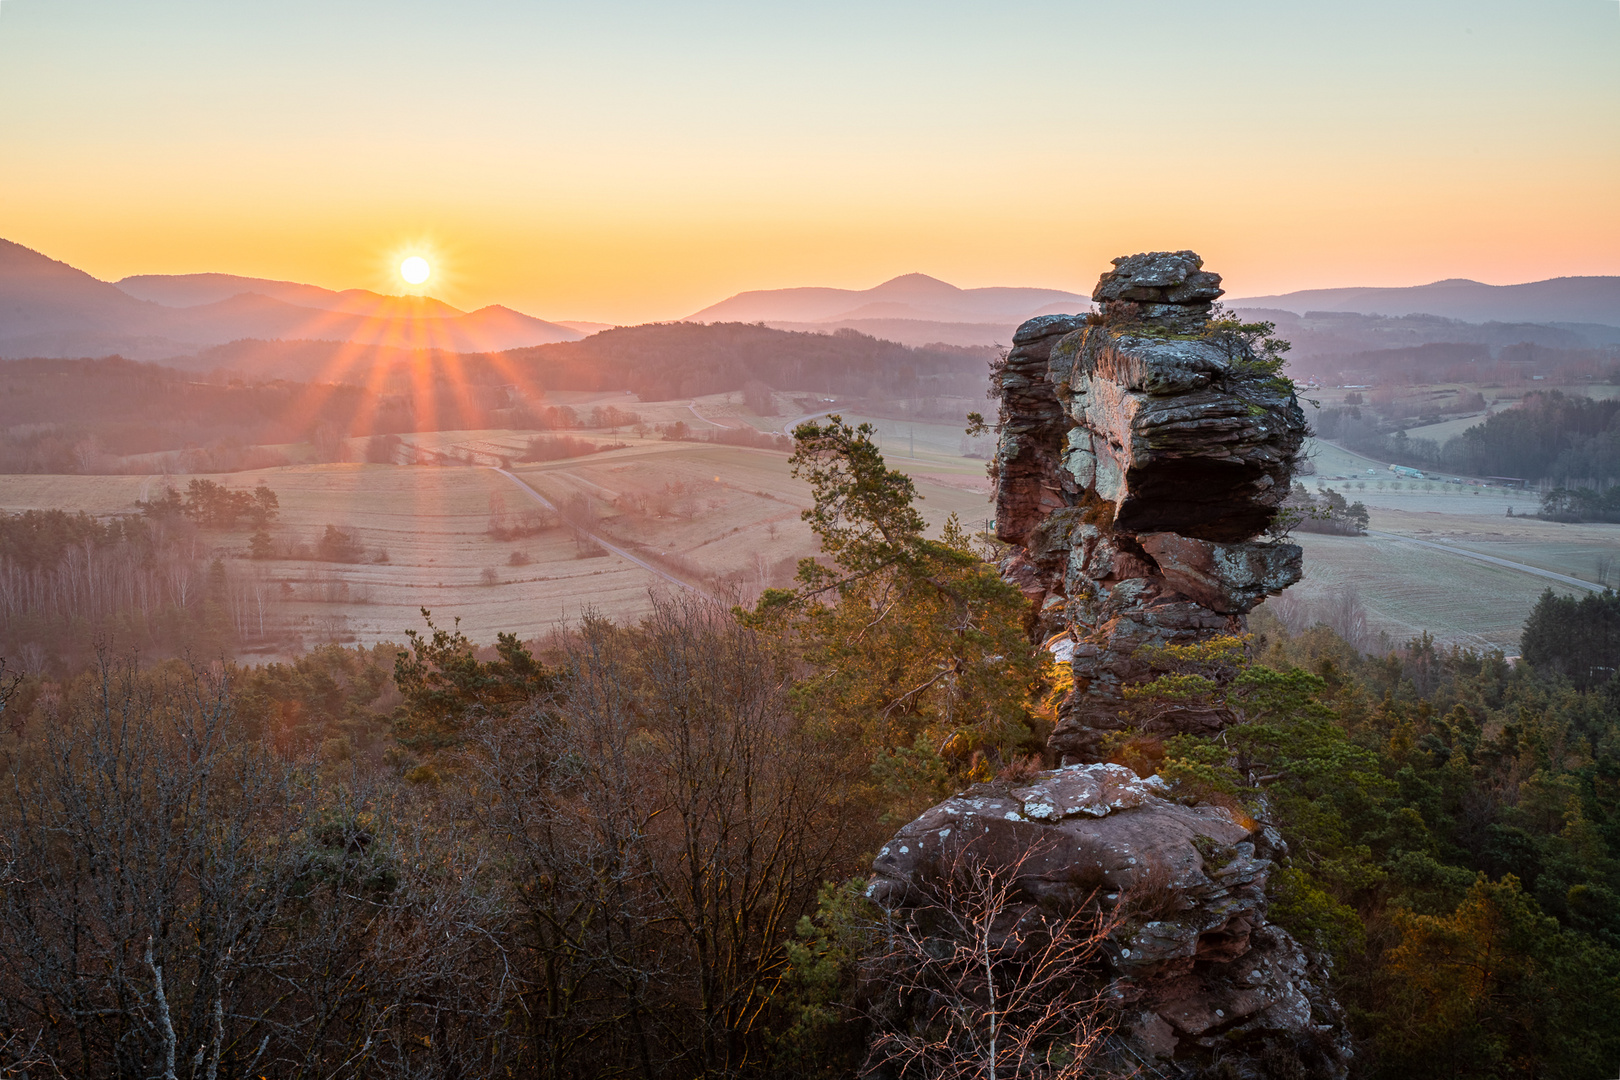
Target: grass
[1407, 590]
[700, 511]
[709, 513]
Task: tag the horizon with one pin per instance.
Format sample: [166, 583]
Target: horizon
[633, 162]
[423, 290]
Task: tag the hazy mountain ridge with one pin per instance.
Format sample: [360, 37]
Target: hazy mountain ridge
[48, 308]
[196, 290]
[910, 296]
[1591, 299]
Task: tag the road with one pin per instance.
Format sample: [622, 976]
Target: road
[786, 428]
[604, 544]
[1465, 553]
[692, 405]
[805, 419]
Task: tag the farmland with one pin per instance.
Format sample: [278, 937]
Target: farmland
[719, 518]
[727, 519]
[1407, 588]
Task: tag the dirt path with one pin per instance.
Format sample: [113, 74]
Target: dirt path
[692, 406]
[1465, 553]
[599, 541]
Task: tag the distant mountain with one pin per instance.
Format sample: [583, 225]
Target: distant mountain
[40, 295]
[913, 332]
[1556, 300]
[915, 297]
[194, 290]
[50, 309]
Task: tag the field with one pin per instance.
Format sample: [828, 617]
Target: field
[661, 514]
[1407, 588]
[721, 519]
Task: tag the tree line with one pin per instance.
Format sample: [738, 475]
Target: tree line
[1569, 439]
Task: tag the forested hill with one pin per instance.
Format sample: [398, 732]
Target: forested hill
[661, 361]
[658, 361]
[1549, 436]
[67, 415]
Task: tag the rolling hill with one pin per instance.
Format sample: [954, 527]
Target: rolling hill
[195, 290]
[1556, 300]
[912, 308]
[50, 309]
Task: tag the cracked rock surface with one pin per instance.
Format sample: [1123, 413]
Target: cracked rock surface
[1197, 973]
[1141, 453]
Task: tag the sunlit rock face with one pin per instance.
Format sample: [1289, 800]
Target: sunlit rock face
[1200, 982]
[1142, 452]
[1140, 456]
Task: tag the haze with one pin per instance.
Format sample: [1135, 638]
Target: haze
[626, 161]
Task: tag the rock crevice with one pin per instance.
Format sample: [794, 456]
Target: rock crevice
[1143, 450]
[1196, 972]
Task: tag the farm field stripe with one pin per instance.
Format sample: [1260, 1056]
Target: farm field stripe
[619, 551]
[1465, 553]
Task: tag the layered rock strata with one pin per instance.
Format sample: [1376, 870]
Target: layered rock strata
[1142, 450]
[1196, 972]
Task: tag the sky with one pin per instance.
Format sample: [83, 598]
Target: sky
[627, 161]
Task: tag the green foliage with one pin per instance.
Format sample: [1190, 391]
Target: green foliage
[1549, 434]
[1325, 512]
[447, 688]
[1498, 989]
[213, 505]
[261, 545]
[1570, 439]
[1580, 504]
[1451, 824]
[338, 545]
[1250, 346]
[1305, 909]
[1578, 639]
[915, 647]
[327, 692]
[817, 1032]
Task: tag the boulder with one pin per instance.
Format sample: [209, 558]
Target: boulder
[1194, 967]
[1229, 578]
[1142, 453]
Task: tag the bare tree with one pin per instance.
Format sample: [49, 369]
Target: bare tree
[146, 840]
[669, 821]
[181, 902]
[979, 982]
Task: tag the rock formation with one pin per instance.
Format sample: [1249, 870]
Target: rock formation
[1141, 452]
[1143, 449]
[1198, 974]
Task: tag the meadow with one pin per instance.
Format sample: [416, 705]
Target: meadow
[660, 514]
[1407, 589]
[721, 519]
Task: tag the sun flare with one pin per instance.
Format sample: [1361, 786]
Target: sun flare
[415, 270]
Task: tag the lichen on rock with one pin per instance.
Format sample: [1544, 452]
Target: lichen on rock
[1196, 971]
[1141, 455]
[1143, 450]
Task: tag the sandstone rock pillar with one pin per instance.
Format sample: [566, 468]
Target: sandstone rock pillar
[1143, 449]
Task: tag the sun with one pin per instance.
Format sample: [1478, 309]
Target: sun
[415, 270]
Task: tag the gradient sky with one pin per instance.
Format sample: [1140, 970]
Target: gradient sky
[624, 160]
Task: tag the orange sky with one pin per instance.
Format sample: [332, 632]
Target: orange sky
[629, 161]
